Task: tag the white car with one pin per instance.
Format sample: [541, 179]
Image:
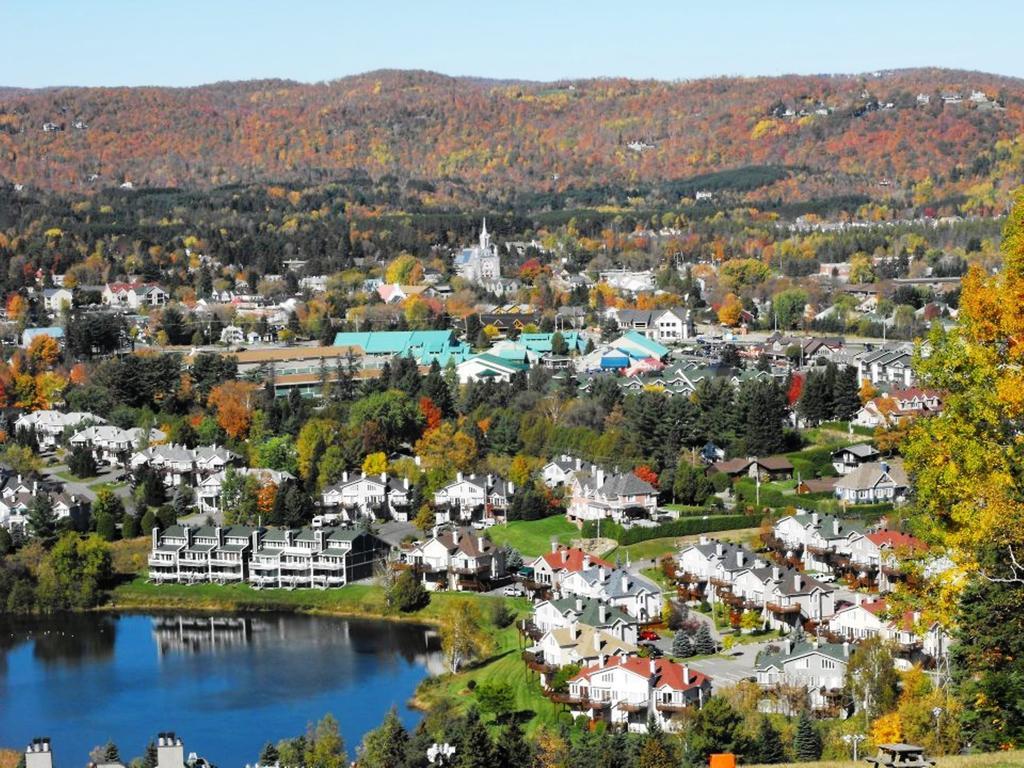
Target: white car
[512, 590]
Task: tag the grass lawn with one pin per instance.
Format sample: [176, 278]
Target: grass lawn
[97, 487]
[533, 537]
[990, 760]
[506, 666]
[68, 477]
[353, 600]
[656, 548]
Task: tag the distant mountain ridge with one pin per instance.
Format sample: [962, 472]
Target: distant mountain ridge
[496, 138]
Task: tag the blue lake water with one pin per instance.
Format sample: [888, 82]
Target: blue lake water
[226, 685]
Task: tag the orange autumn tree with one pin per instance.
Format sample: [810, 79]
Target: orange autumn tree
[647, 474]
[729, 311]
[232, 401]
[43, 352]
[431, 413]
[265, 498]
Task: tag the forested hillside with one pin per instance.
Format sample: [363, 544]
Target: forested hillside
[459, 139]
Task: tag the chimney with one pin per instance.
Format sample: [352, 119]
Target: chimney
[599, 477]
[787, 646]
[602, 613]
[554, 546]
[776, 573]
[654, 667]
[798, 582]
[511, 488]
[586, 561]
[835, 526]
[344, 476]
[35, 487]
[218, 533]
[170, 752]
[458, 477]
[155, 537]
[490, 480]
[739, 558]
[814, 519]
[719, 549]
[574, 629]
[417, 461]
[846, 649]
[579, 463]
[704, 540]
[565, 556]
[362, 474]
[405, 483]
[384, 477]
[686, 675]
[579, 605]
[597, 641]
[38, 754]
[602, 574]
[625, 582]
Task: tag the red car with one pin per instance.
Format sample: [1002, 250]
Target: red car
[649, 634]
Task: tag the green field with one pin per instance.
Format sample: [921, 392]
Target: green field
[533, 537]
[506, 666]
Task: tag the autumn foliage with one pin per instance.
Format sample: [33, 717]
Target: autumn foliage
[233, 402]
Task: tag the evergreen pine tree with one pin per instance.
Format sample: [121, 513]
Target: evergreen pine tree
[767, 744]
[386, 746]
[846, 394]
[703, 643]
[682, 647]
[807, 743]
[512, 750]
[111, 753]
[472, 742]
[149, 757]
[269, 754]
[42, 522]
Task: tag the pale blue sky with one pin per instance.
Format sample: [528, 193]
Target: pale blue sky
[152, 42]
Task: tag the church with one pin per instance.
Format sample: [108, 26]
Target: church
[480, 263]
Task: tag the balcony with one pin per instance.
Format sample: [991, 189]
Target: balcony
[730, 599]
[535, 661]
[718, 582]
[328, 566]
[785, 609]
[820, 551]
[671, 706]
[632, 706]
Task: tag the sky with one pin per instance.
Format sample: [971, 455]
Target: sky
[190, 42]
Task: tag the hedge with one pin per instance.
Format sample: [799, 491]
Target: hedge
[683, 527]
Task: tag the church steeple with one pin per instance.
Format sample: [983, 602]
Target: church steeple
[485, 239]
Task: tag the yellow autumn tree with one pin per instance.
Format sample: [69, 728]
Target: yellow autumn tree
[965, 462]
[887, 729]
[446, 450]
[375, 463]
[729, 311]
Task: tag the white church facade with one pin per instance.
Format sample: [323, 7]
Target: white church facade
[481, 263]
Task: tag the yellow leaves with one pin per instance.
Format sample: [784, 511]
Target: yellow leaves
[766, 127]
[887, 729]
[375, 463]
[729, 311]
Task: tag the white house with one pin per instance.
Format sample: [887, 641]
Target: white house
[209, 492]
[550, 568]
[112, 445]
[847, 459]
[50, 426]
[628, 691]
[598, 496]
[369, 496]
[473, 496]
[134, 295]
[636, 595]
[819, 668]
[551, 614]
[457, 559]
[175, 463]
[874, 482]
[560, 470]
[56, 299]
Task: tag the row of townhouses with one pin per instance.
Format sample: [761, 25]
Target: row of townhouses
[276, 557]
[595, 494]
[170, 753]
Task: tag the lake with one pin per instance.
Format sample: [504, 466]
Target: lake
[224, 684]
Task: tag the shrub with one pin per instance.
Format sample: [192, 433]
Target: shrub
[407, 593]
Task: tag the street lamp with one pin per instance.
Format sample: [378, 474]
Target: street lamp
[438, 754]
[855, 739]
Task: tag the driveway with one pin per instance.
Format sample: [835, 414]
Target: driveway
[731, 667]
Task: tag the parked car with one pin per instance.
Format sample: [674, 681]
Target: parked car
[649, 634]
[512, 590]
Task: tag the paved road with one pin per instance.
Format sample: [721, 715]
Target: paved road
[81, 487]
[729, 669]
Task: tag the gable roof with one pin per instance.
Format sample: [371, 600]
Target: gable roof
[571, 559]
[667, 674]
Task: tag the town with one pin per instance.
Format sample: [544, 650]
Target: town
[490, 389]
